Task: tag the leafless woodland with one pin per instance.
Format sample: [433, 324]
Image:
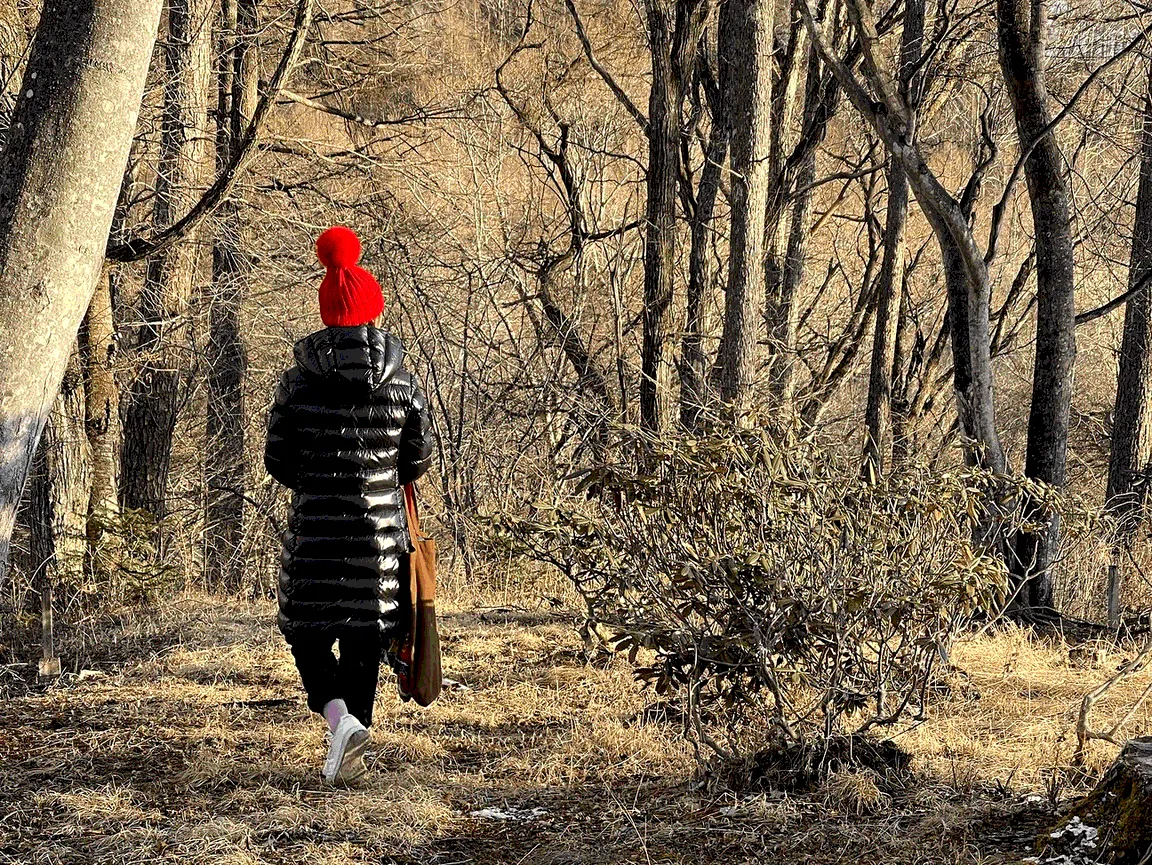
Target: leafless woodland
[912, 237]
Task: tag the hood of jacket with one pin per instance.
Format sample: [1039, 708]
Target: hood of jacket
[358, 358]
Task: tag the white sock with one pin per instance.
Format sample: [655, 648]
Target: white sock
[334, 710]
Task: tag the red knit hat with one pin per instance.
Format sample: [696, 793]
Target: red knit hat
[349, 295]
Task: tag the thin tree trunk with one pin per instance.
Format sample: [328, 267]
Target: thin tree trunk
[779, 310]
[693, 373]
[1020, 26]
[58, 496]
[226, 477]
[878, 416]
[745, 48]
[674, 36]
[152, 403]
[59, 176]
[784, 366]
[1128, 468]
[660, 236]
[102, 411]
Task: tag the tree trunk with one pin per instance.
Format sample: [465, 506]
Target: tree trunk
[693, 372]
[58, 496]
[1119, 809]
[745, 48]
[660, 232]
[1131, 450]
[102, 410]
[878, 415]
[152, 403]
[226, 477]
[59, 177]
[784, 320]
[1020, 26]
[674, 29]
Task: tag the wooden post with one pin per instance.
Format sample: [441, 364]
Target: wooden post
[1114, 597]
[49, 663]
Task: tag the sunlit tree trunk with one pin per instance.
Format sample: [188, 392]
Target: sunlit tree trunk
[745, 49]
[59, 176]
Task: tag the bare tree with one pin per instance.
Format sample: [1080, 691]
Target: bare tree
[237, 82]
[58, 500]
[965, 268]
[674, 30]
[745, 51]
[877, 423]
[694, 361]
[1021, 25]
[1131, 444]
[151, 406]
[59, 177]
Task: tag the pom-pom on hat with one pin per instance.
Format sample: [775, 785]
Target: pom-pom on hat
[349, 295]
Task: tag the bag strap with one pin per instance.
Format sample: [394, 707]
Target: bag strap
[413, 510]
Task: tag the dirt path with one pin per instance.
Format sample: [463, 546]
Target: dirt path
[191, 743]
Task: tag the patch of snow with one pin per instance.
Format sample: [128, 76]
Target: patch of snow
[513, 814]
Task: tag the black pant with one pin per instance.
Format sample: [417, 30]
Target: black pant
[352, 678]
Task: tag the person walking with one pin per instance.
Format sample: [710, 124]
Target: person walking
[348, 430]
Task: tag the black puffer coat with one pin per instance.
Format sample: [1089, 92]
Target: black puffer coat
[348, 429]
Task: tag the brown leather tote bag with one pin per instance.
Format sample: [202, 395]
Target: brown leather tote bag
[421, 678]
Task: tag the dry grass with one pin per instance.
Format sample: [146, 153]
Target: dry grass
[195, 746]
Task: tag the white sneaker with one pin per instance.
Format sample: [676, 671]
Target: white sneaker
[345, 761]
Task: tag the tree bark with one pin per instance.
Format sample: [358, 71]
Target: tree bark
[236, 99]
[59, 493]
[152, 403]
[102, 409]
[1020, 27]
[878, 416]
[1131, 451]
[783, 314]
[59, 177]
[674, 36]
[745, 48]
[694, 362]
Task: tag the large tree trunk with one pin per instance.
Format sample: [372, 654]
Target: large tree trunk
[150, 413]
[745, 48]
[878, 416]
[225, 425]
[1020, 26]
[59, 177]
[58, 497]
[1131, 444]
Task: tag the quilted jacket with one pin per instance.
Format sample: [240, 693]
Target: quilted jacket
[348, 428]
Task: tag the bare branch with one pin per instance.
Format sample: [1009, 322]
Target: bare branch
[616, 89]
[141, 247]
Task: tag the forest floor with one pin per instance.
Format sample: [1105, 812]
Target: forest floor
[183, 737]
